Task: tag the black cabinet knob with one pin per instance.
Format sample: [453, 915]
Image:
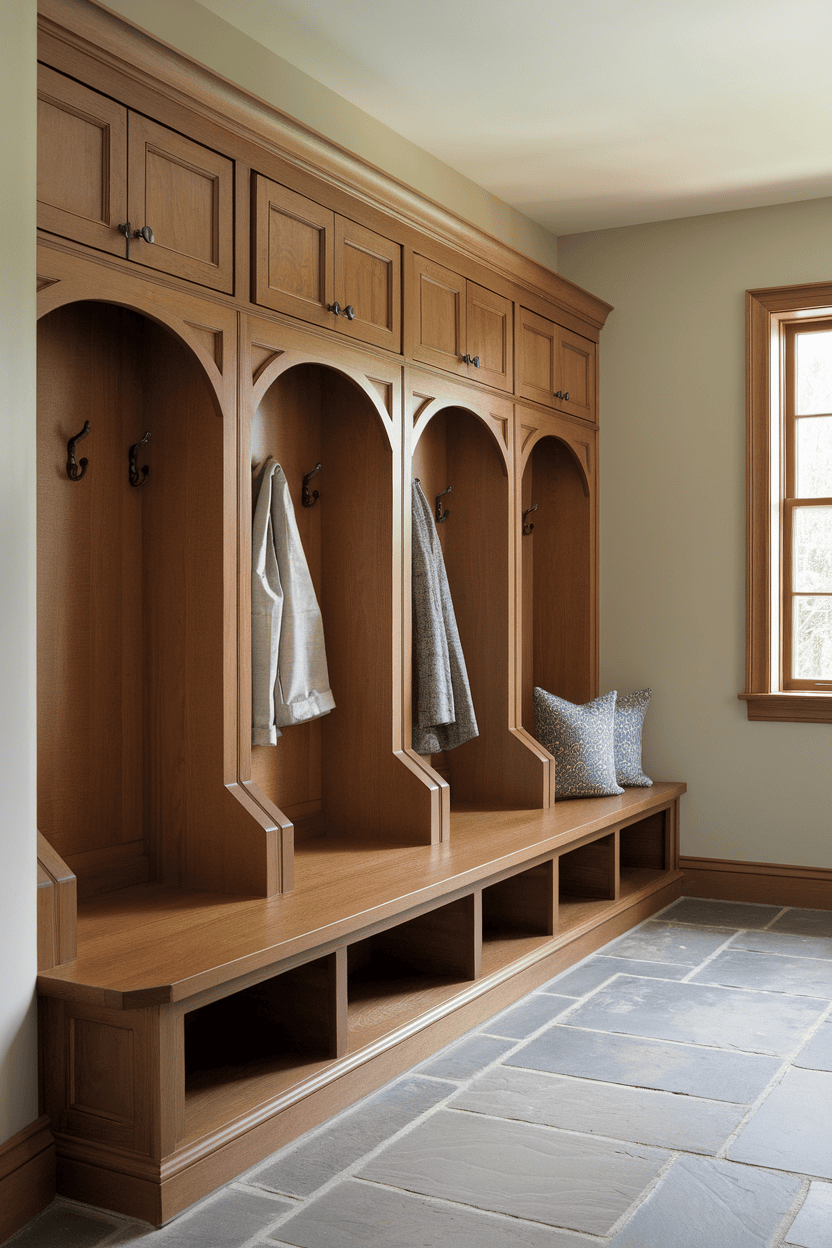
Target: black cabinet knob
[334, 307]
[349, 312]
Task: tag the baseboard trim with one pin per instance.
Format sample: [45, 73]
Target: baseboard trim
[27, 1176]
[772, 883]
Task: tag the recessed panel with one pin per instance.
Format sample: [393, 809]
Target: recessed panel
[295, 257]
[181, 207]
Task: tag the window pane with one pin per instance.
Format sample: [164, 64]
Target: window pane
[812, 550]
[814, 457]
[814, 373]
[812, 639]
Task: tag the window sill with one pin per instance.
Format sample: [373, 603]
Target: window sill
[797, 706]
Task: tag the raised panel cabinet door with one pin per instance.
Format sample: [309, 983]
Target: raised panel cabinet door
[82, 163]
[575, 375]
[368, 279]
[490, 337]
[439, 312]
[184, 193]
[537, 350]
[293, 265]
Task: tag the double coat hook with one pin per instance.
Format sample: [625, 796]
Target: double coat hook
[441, 516]
[75, 471]
[527, 528]
[309, 500]
[136, 477]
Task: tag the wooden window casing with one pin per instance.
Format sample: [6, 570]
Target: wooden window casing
[772, 319]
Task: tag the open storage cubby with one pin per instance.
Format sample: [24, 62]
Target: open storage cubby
[518, 915]
[337, 776]
[558, 562]
[645, 851]
[131, 607]
[259, 1041]
[587, 880]
[398, 974]
[459, 448]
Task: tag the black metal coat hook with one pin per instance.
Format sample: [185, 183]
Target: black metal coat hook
[441, 516]
[74, 470]
[136, 477]
[309, 500]
[527, 528]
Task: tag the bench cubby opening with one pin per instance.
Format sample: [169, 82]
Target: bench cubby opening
[256, 1043]
[518, 915]
[400, 973]
[587, 881]
[645, 851]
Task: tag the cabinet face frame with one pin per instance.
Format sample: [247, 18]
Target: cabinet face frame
[64, 103]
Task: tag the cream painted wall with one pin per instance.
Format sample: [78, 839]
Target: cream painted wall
[18, 1038]
[206, 38]
[673, 518]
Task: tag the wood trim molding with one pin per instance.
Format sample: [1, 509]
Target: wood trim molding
[765, 309]
[57, 908]
[27, 1176]
[771, 883]
[87, 28]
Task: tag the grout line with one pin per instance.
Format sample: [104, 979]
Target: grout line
[710, 957]
[777, 916]
[791, 1213]
[776, 1079]
[643, 1196]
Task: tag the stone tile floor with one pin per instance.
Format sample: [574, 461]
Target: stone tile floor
[673, 1090]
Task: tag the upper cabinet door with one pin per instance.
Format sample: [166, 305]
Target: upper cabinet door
[368, 281]
[294, 259]
[577, 376]
[184, 193]
[438, 312]
[460, 326]
[556, 366]
[82, 163]
[490, 337]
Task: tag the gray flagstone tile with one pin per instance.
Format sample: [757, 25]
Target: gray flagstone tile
[785, 942]
[729, 1018]
[65, 1226]
[812, 1228]
[703, 1203]
[713, 1073]
[642, 1116]
[231, 1220]
[743, 968]
[818, 1052]
[736, 914]
[361, 1214]
[791, 1129]
[669, 942]
[585, 978]
[304, 1169]
[531, 1172]
[805, 923]
[466, 1058]
[532, 1012]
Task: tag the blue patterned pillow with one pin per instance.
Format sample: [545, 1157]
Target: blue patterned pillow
[629, 718]
[582, 741]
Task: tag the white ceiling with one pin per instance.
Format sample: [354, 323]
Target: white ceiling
[583, 114]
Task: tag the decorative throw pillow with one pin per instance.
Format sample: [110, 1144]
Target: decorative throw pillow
[582, 741]
[629, 718]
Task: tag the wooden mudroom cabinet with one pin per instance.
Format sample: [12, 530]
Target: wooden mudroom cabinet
[264, 934]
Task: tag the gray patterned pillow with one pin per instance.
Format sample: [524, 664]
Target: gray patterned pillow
[629, 718]
[582, 742]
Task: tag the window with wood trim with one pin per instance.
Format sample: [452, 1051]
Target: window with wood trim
[789, 540]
